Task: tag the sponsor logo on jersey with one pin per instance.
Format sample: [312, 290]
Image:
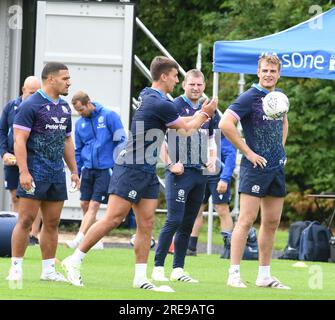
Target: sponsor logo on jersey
[58, 124]
[56, 120]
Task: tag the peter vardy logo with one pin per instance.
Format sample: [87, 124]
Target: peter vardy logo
[56, 120]
[59, 124]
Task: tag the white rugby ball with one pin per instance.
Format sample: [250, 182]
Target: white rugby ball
[132, 241]
[275, 104]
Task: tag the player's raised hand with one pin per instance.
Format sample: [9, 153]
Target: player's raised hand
[209, 107]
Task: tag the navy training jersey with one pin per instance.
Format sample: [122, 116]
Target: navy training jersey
[263, 135]
[49, 123]
[6, 126]
[192, 150]
[154, 113]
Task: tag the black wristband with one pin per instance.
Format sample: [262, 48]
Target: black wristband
[168, 166]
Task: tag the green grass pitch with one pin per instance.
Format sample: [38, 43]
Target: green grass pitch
[108, 275]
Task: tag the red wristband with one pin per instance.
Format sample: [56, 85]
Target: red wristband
[205, 113]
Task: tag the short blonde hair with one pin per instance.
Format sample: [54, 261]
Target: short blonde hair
[269, 58]
[194, 73]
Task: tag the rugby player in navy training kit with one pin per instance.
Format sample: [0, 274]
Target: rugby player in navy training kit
[262, 182]
[185, 180]
[42, 138]
[218, 186]
[134, 182]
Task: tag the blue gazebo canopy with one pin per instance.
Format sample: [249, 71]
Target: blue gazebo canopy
[306, 50]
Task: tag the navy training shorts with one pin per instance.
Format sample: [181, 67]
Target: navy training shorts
[44, 191]
[94, 184]
[133, 184]
[217, 198]
[263, 182]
